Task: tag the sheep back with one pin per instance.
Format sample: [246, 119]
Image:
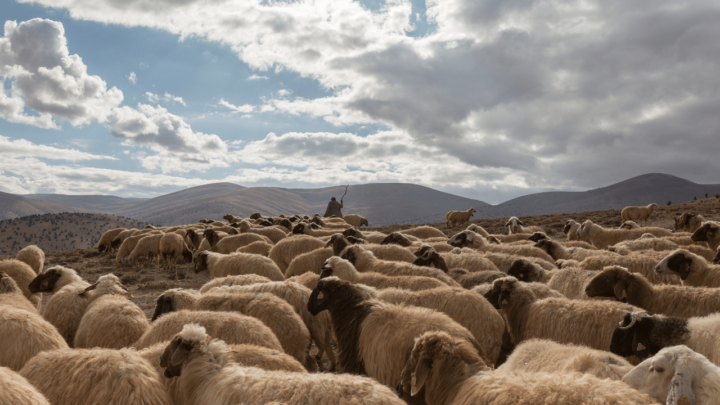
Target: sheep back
[112, 322]
[33, 256]
[287, 249]
[23, 335]
[23, 275]
[16, 390]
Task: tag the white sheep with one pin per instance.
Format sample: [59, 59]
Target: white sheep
[287, 249]
[356, 220]
[308, 262]
[207, 374]
[111, 320]
[677, 375]
[257, 248]
[33, 256]
[558, 251]
[538, 355]
[570, 229]
[232, 243]
[24, 334]
[96, 376]
[459, 217]
[11, 295]
[641, 214]
[274, 234]
[344, 270]
[172, 246]
[515, 225]
[709, 232]
[105, 242]
[16, 390]
[23, 275]
[220, 265]
[602, 238]
[274, 312]
[644, 265]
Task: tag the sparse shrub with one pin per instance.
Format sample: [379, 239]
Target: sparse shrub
[705, 195]
[695, 199]
[669, 203]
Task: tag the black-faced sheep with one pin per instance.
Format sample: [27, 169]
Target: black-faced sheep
[95, 376]
[558, 251]
[677, 376]
[375, 337]
[589, 323]
[234, 264]
[644, 265]
[709, 232]
[207, 374]
[691, 268]
[641, 214]
[475, 241]
[458, 217]
[670, 300]
[688, 222]
[105, 242]
[570, 229]
[172, 246]
[111, 320]
[452, 374]
[67, 303]
[643, 335]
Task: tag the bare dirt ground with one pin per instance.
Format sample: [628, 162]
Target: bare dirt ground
[147, 283]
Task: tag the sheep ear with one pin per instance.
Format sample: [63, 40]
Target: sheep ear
[681, 392]
[168, 352]
[422, 371]
[92, 287]
[621, 291]
[507, 224]
[182, 353]
[520, 222]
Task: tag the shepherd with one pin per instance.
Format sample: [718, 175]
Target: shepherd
[334, 207]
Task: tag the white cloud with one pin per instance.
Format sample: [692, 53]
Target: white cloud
[132, 77]
[48, 80]
[174, 99]
[246, 108]
[178, 147]
[153, 98]
[257, 77]
[20, 148]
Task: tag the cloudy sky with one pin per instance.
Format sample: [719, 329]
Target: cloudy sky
[489, 99]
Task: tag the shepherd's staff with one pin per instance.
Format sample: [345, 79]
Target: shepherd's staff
[343, 196]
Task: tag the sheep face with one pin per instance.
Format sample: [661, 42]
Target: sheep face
[568, 225]
[201, 262]
[494, 240]
[423, 249]
[186, 343]
[633, 336]
[514, 223]
[537, 236]
[629, 225]
[163, 306]
[613, 281]
[320, 297]
[115, 243]
[255, 215]
[667, 376]
[431, 258]
[677, 263]
[547, 246]
[364, 222]
[460, 240]
[228, 217]
[299, 229]
[353, 232]
[500, 292]
[187, 255]
[326, 271]
[355, 241]
[525, 270]
[682, 221]
[350, 255]
[286, 223]
[396, 239]
[706, 233]
[45, 282]
[317, 220]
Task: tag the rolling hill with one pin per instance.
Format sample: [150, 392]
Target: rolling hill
[381, 203]
[14, 206]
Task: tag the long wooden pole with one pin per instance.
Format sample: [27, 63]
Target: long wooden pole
[343, 196]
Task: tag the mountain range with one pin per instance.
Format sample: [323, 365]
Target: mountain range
[380, 203]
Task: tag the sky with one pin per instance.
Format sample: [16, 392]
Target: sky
[488, 99]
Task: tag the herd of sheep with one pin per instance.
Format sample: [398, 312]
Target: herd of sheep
[607, 316]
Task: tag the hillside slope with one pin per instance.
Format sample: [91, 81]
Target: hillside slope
[59, 231]
[14, 206]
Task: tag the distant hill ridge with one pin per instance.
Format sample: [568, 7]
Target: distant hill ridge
[381, 203]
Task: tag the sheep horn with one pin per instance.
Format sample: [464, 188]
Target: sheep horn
[633, 317]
